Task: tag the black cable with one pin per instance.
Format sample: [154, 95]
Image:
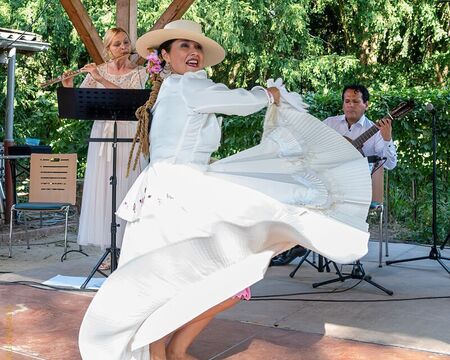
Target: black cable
[357, 301]
[40, 286]
[334, 291]
[31, 24]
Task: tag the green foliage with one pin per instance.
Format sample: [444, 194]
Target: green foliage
[398, 48]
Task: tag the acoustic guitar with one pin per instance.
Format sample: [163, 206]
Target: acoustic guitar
[399, 111]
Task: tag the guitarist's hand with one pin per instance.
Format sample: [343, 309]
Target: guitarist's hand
[385, 127]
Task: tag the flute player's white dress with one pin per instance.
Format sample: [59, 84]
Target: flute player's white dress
[95, 216]
[197, 234]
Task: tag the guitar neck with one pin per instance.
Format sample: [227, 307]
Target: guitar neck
[366, 135]
[401, 110]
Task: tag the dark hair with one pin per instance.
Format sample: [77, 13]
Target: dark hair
[357, 88]
[166, 45]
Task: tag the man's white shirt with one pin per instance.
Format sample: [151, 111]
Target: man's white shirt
[376, 145]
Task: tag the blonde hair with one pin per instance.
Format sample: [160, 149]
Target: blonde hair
[108, 38]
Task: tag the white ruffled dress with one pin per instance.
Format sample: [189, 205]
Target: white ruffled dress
[197, 234]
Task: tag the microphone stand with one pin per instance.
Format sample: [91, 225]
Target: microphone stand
[434, 254]
[358, 272]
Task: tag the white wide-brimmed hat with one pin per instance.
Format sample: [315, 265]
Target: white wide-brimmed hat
[181, 29]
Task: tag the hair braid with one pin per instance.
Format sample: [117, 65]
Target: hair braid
[143, 115]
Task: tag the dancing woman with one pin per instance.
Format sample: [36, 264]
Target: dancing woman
[198, 234]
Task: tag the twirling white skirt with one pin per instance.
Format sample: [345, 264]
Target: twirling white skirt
[197, 236]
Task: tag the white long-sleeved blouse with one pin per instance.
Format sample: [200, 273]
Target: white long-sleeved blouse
[185, 128]
[373, 146]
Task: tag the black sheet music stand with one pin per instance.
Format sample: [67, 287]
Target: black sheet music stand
[103, 104]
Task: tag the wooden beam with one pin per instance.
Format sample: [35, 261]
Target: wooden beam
[126, 14]
[174, 12]
[85, 28]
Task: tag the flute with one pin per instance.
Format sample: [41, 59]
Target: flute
[73, 73]
[68, 75]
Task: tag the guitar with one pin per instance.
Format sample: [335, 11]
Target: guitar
[399, 111]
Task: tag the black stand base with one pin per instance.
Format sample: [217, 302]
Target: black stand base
[323, 264]
[114, 257]
[434, 254]
[80, 250]
[357, 273]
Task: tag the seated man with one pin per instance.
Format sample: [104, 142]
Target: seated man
[352, 124]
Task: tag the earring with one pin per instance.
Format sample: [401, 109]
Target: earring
[166, 71]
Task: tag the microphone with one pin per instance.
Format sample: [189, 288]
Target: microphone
[430, 107]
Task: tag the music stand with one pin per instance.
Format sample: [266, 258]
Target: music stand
[434, 254]
[103, 104]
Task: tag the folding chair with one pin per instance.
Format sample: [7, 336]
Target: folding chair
[52, 188]
[377, 208]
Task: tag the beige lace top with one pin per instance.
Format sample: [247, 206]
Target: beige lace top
[135, 79]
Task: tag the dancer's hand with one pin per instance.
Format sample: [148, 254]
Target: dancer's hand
[291, 98]
[275, 92]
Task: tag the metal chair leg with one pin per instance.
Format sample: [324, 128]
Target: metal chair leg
[386, 237]
[10, 231]
[25, 221]
[65, 230]
[380, 230]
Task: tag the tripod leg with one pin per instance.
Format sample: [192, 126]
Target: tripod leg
[292, 274]
[405, 260]
[358, 272]
[341, 278]
[95, 269]
[443, 265]
[327, 265]
[387, 291]
[445, 241]
[338, 272]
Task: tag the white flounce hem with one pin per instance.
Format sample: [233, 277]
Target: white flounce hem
[195, 238]
[158, 292]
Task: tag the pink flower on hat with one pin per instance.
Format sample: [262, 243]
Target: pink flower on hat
[153, 63]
